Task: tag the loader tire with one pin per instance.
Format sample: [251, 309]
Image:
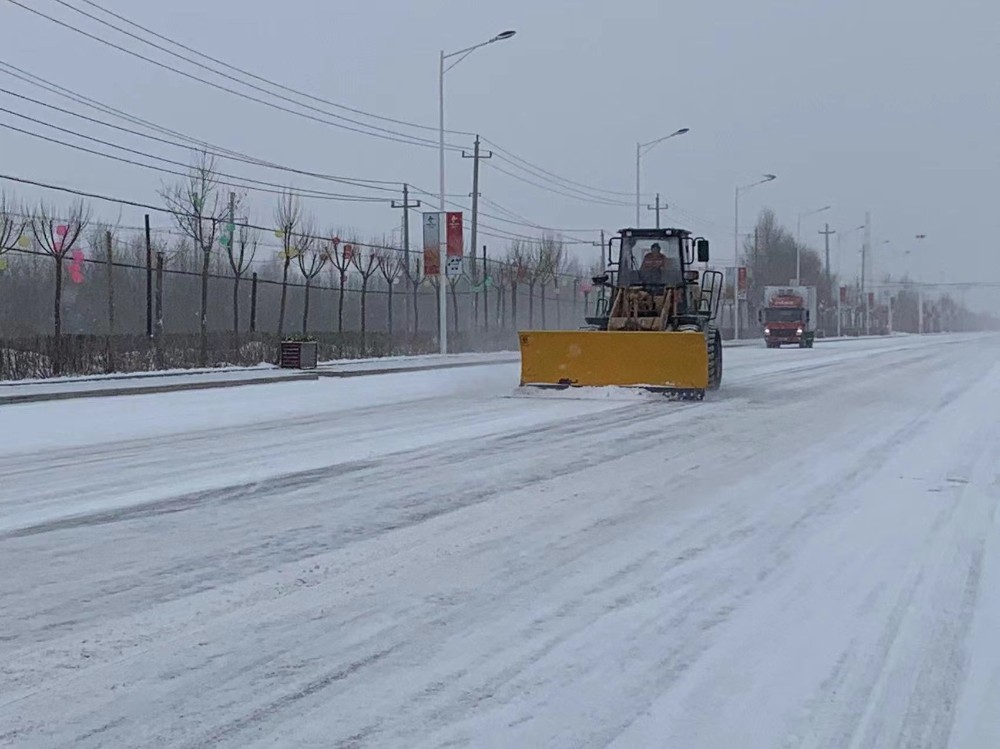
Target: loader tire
[714, 359]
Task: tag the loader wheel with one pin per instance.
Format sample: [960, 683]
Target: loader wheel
[714, 359]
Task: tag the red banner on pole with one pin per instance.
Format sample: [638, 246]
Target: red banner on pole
[742, 282]
[454, 235]
[843, 295]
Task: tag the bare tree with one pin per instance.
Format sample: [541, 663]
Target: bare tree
[198, 212]
[310, 263]
[287, 218]
[453, 287]
[100, 240]
[11, 227]
[518, 268]
[57, 240]
[241, 253]
[414, 278]
[390, 263]
[550, 256]
[340, 261]
[501, 281]
[435, 282]
[366, 262]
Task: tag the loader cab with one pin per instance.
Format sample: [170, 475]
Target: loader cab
[651, 261]
[651, 257]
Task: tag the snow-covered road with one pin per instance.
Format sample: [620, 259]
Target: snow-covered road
[810, 558]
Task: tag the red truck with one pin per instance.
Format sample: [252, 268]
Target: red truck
[789, 316]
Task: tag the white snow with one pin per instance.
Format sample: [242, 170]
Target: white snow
[810, 557]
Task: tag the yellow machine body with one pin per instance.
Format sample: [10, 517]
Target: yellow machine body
[668, 361]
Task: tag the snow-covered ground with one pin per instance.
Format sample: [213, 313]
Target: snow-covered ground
[810, 558]
[137, 382]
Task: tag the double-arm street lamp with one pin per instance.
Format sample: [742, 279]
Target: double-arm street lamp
[641, 149]
[458, 57]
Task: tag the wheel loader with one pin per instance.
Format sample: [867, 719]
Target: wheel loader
[654, 328]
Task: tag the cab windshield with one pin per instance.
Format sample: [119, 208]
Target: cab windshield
[793, 314]
[651, 261]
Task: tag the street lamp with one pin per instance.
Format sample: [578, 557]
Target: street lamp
[641, 149]
[442, 261]
[736, 250]
[798, 242]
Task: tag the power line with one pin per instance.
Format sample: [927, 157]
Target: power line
[214, 150]
[279, 191]
[267, 80]
[510, 158]
[574, 193]
[566, 189]
[160, 209]
[541, 175]
[384, 134]
[514, 159]
[306, 193]
[528, 222]
[557, 192]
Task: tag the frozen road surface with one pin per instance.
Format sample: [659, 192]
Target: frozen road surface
[810, 558]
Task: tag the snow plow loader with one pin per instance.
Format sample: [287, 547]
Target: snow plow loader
[654, 325]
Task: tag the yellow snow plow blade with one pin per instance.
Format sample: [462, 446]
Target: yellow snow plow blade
[665, 361]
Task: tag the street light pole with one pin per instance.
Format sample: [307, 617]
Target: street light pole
[442, 246]
[640, 150]
[736, 250]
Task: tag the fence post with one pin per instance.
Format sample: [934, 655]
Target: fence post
[253, 304]
[486, 294]
[149, 281]
[110, 343]
[158, 329]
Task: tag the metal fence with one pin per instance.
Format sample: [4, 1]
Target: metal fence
[124, 316]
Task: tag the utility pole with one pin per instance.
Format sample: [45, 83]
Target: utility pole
[604, 262]
[476, 155]
[826, 240]
[920, 294]
[865, 249]
[406, 205]
[657, 208]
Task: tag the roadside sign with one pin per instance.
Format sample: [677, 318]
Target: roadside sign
[454, 267]
[454, 233]
[432, 243]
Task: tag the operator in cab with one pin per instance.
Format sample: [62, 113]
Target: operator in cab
[654, 259]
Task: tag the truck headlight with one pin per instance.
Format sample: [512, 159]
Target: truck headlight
[798, 331]
[767, 331]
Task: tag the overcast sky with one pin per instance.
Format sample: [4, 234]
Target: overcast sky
[890, 106]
